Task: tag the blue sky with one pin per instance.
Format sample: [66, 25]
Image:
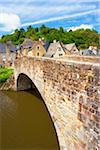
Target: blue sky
[71, 14]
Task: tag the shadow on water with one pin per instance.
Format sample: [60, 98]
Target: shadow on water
[25, 122]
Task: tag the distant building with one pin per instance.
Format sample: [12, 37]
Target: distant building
[91, 51]
[87, 52]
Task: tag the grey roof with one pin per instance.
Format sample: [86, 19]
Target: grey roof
[28, 43]
[11, 46]
[46, 45]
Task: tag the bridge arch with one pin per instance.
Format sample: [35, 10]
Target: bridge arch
[24, 82]
[68, 94]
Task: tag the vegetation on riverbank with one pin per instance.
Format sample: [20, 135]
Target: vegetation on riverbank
[5, 73]
[82, 38]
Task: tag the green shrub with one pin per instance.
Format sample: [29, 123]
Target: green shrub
[5, 73]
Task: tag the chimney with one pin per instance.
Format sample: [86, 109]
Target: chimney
[90, 47]
[54, 41]
[7, 53]
[40, 39]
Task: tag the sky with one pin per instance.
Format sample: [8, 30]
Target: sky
[70, 14]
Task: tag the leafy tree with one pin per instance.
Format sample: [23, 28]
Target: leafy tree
[82, 38]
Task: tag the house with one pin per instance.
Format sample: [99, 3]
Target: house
[58, 49]
[71, 48]
[25, 47]
[37, 49]
[7, 53]
[11, 49]
[55, 49]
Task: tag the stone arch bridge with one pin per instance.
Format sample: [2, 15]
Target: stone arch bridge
[70, 89]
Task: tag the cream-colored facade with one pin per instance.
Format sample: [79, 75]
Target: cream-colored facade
[37, 50]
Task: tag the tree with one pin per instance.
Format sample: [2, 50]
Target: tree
[61, 29]
[82, 38]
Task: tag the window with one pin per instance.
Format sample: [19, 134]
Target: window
[60, 54]
[38, 47]
[37, 54]
[59, 49]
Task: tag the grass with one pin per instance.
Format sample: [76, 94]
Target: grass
[5, 73]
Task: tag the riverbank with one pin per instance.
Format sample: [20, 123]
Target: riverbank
[6, 79]
[5, 73]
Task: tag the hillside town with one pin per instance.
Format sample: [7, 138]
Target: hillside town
[41, 48]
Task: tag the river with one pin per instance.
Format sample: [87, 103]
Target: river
[25, 123]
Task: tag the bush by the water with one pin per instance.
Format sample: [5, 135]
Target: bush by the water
[5, 73]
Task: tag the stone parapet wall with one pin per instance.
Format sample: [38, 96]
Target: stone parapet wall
[71, 92]
[93, 59]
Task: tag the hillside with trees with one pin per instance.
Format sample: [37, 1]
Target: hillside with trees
[82, 38]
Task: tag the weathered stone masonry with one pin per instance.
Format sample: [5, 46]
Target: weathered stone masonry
[71, 92]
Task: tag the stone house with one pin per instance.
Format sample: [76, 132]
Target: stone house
[25, 47]
[38, 49]
[91, 51]
[55, 49]
[58, 49]
[2, 54]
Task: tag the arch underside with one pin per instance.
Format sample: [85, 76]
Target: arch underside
[24, 83]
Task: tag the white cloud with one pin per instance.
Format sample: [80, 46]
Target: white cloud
[82, 26]
[59, 18]
[9, 22]
[43, 9]
[33, 12]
